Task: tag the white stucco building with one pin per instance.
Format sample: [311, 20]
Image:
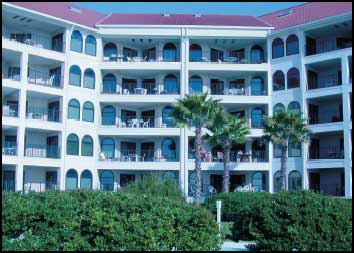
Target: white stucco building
[86, 96]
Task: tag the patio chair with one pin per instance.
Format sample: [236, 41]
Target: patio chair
[145, 58]
[102, 156]
[211, 190]
[129, 59]
[238, 189]
[125, 92]
[134, 123]
[146, 123]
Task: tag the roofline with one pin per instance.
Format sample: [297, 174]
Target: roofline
[314, 22]
[48, 16]
[186, 26]
[285, 9]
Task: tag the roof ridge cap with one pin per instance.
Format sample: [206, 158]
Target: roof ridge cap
[103, 19]
[286, 9]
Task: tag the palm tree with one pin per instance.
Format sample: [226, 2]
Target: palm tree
[282, 128]
[227, 130]
[197, 111]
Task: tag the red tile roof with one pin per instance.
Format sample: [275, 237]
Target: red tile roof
[61, 10]
[306, 13]
[182, 19]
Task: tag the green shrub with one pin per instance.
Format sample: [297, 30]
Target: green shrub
[239, 208]
[97, 220]
[303, 221]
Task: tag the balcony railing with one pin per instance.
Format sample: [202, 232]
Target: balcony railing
[13, 74]
[158, 56]
[8, 185]
[40, 78]
[40, 186]
[10, 110]
[327, 46]
[328, 189]
[253, 57]
[235, 156]
[133, 156]
[45, 114]
[325, 117]
[326, 153]
[138, 122]
[32, 39]
[146, 89]
[44, 151]
[9, 148]
[324, 82]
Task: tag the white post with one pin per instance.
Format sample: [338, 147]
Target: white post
[218, 214]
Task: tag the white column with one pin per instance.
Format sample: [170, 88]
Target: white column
[24, 67]
[182, 157]
[184, 62]
[347, 145]
[270, 155]
[345, 70]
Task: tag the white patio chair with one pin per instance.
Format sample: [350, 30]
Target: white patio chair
[125, 92]
[211, 190]
[102, 156]
[129, 59]
[238, 189]
[146, 124]
[134, 123]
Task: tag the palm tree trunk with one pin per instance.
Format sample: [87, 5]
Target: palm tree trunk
[283, 160]
[198, 163]
[226, 159]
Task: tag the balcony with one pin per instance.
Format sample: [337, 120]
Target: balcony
[9, 148]
[10, 110]
[45, 79]
[326, 152]
[145, 156]
[235, 156]
[40, 186]
[250, 57]
[327, 45]
[132, 89]
[325, 117]
[43, 151]
[152, 56]
[45, 114]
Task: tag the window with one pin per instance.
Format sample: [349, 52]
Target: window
[90, 45]
[257, 121]
[257, 54]
[89, 79]
[109, 49]
[170, 52]
[107, 147]
[292, 45]
[72, 145]
[294, 107]
[278, 80]
[294, 149]
[88, 112]
[109, 84]
[75, 75]
[76, 41]
[107, 180]
[74, 109]
[191, 151]
[87, 146]
[170, 85]
[257, 86]
[294, 180]
[277, 182]
[259, 182]
[8, 184]
[169, 121]
[108, 115]
[278, 108]
[71, 180]
[259, 151]
[169, 149]
[277, 150]
[86, 180]
[277, 48]
[128, 52]
[195, 53]
[293, 77]
[195, 85]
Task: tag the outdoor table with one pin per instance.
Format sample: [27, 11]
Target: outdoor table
[137, 59]
[139, 91]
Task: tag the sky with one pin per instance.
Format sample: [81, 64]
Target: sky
[230, 8]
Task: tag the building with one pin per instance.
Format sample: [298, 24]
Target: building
[87, 96]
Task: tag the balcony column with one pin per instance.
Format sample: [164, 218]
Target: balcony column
[348, 180]
[95, 179]
[68, 32]
[117, 149]
[19, 177]
[183, 154]
[345, 70]
[24, 67]
[184, 62]
[270, 154]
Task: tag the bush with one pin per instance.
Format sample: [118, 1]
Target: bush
[239, 208]
[97, 220]
[304, 221]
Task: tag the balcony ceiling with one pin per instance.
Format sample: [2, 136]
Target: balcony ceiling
[228, 43]
[34, 94]
[11, 56]
[143, 73]
[338, 29]
[326, 64]
[8, 91]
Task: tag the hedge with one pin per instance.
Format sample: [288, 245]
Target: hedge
[97, 220]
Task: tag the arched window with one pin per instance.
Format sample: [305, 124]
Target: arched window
[76, 42]
[71, 180]
[107, 180]
[292, 45]
[259, 182]
[72, 145]
[88, 112]
[169, 149]
[293, 77]
[195, 53]
[195, 85]
[109, 84]
[75, 75]
[170, 85]
[277, 48]
[258, 151]
[294, 149]
[257, 86]
[277, 182]
[108, 115]
[294, 107]
[87, 146]
[170, 52]
[277, 150]
[169, 121]
[109, 49]
[294, 180]
[107, 147]
[278, 80]
[257, 121]
[257, 54]
[191, 151]
[74, 109]
[278, 108]
[86, 180]
[90, 45]
[89, 79]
